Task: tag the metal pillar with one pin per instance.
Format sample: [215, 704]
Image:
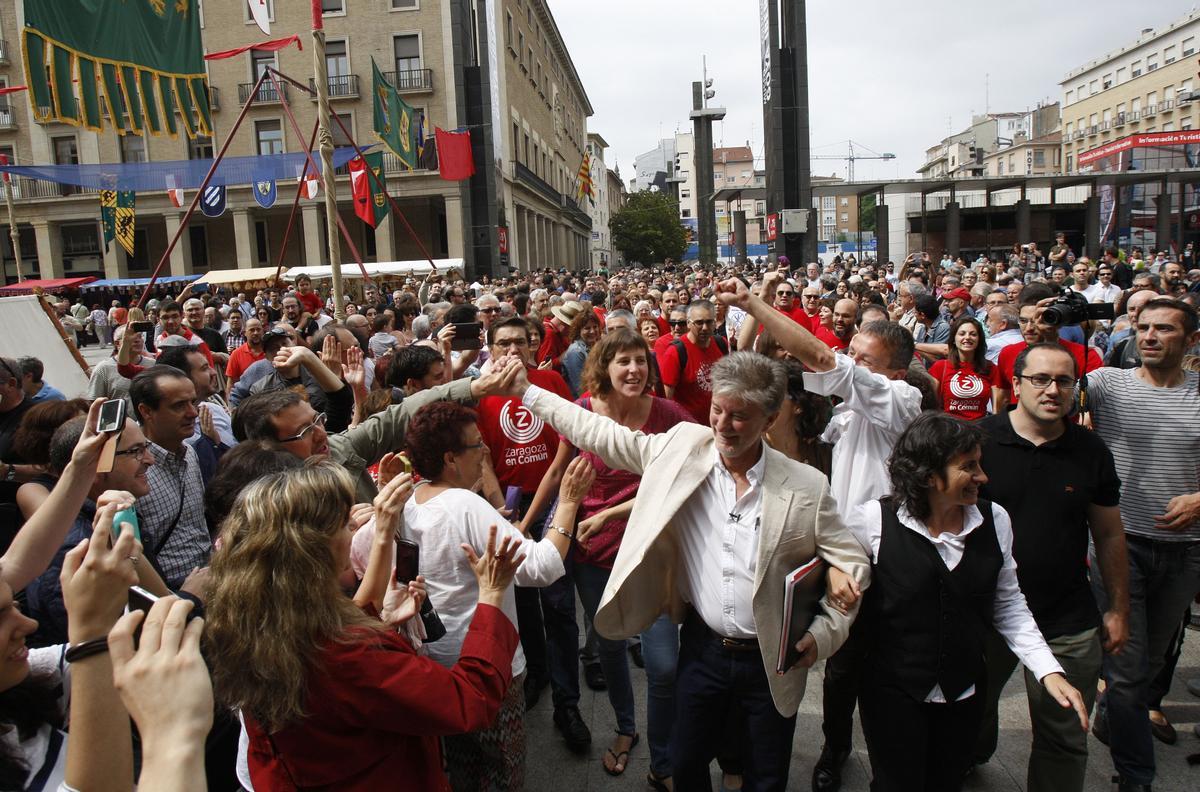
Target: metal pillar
[1024, 222]
[739, 231]
[1091, 227]
[706, 208]
[1162, 226]
[1179, 229]
[882, 233]
[953, 228]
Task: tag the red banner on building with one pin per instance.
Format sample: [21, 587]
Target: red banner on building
[1180, 138]
[772, 227]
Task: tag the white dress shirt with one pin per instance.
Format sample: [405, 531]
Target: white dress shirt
[1010, 613]
[865, 426]
[440, 526]
[1098, 292]
[997, 342]
[718, 534]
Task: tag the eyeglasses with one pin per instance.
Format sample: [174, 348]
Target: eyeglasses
[472, 447]
[703, 322]
[785, 294]
[318, 421]
[812, 296]
[677, 322]
[134, 450]
[1042, 381]
[488, 310]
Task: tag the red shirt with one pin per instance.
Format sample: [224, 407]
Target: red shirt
[554, 343]
[693, 390]
[310, 302]
[522, 445]
[240, 360]
[375, 710]
[965, 393]
[664, 328]
[1008, 357]
[829, 338]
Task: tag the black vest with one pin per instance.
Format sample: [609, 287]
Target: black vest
[930, 622]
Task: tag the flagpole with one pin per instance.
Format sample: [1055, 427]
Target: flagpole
[321, 70]
[12, 226]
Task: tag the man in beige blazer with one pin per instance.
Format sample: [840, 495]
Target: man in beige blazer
[720, 520]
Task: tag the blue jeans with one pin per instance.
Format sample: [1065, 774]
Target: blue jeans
[660, 650]
[549, 634]
[1163, 579]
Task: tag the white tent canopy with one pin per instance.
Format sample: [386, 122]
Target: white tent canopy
[221, 277]
[383, 268]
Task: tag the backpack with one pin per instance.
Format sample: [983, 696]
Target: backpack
[681, 350]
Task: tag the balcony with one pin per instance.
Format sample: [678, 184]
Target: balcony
[1120, 121]
[1150, 111]
[340, 86]
[411, 80]
[4, 56]
[8, 119]
[24, 187]
[267, 93]
[214, 99]
[524, 174]
[1167, 106]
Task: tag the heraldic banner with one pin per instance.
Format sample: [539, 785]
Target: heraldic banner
[142, 58]
[118, 216]
[395, 121]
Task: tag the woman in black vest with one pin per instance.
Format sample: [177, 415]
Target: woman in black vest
[943, 575]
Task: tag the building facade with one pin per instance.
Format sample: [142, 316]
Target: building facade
[615, 194]
[598, 206]
[538, 132]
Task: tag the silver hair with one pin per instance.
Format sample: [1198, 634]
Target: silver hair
[623, 316]
[982, 289]
[536, 293]
[751, 378]
[701, 305]
[916, 290]
[421, 326]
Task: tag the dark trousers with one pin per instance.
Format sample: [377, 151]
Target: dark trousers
[549, 633]
[712, 682]
[914, 746]
[843, 678]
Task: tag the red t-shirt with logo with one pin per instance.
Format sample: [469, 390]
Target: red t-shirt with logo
[522, 445]
[693, 390]
[1008, 359]
[965, 393]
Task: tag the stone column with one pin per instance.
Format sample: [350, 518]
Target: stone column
[385, 239]
[455, 238]
[1091, 227]
[116, 263]
[181, 255]
[49, 250]
[243, 239]
[953, 228]
[315, 253]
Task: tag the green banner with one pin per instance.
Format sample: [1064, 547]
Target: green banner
[379, 201]
[131, 60]
[117, 216]
[395, 121]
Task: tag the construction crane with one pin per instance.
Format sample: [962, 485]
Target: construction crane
[850, 157]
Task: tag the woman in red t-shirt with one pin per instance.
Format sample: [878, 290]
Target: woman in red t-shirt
[966, 379]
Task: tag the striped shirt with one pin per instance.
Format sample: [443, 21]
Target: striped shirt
[1154, 435]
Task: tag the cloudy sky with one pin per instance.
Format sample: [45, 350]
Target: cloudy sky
[892, 76]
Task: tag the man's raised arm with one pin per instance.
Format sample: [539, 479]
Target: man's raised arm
[797, 340]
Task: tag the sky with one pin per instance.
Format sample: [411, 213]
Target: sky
[894, 77]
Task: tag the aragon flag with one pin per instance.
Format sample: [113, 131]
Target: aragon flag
[370, 202]
[143, 59]
[117, 215]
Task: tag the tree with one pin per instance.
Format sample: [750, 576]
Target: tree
[647, 229]
[866, 207]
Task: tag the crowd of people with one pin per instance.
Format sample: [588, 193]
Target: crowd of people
[347, 546]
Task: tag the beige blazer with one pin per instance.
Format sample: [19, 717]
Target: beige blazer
[799, 521]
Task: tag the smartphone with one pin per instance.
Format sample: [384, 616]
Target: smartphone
[112, 416]
[140, 599]
[141, 327]
[126, 516]
[466, 336]
[408, 561]
[512, 501]
[404, 460]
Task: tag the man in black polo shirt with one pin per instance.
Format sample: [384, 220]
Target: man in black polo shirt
[1058, 482]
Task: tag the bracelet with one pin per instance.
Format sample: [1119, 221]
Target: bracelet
[79, 651]
[11, 473]
[564, 531]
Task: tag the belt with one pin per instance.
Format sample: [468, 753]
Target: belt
[698, 624]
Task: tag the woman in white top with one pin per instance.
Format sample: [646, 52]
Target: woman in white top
[444, 515]
[942, 577]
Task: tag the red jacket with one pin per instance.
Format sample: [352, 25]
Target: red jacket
[376, 709]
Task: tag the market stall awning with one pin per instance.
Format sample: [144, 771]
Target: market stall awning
[113, 283]
[417, 267]
[53, 285]
[250, 275]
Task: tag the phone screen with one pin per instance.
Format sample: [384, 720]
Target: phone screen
[141, 327]
[466, 336]
[408, 563]
[112, 416]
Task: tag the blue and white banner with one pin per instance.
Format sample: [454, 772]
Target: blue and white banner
[265, 193]
[212, 203]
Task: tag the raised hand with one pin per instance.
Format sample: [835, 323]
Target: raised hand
[734, 293]
[389, 503]
[331, 354]
[352, 368]
[495, 569]
[96, 577]
[577, 480]
[206, 424]
[401, 603]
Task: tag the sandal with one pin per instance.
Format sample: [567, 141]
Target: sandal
[657, 782]
[617, 757]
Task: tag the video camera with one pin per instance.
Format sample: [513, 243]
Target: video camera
[1071, 308]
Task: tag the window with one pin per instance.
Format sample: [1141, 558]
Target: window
[1094, 87]
[827, 202]
[1152, 99]
[333, 7]
[1169, 54]
[685, 212]
[1168, 127]
[407, 52]
[1122, 75]
[1000, 166]
[269, 135]
[1093, 120]
[1189, 46]
[1070, 128]
[1108, 116]
[200, 147]
[516, 139]
[1070, 96]
[1070, 163]
[198, 238]
[133, 148]
[521, 47]
[259, 61]
[66, 152]
[337, 61]
[260, 239]
[404, 5]
[760, 208]
[1039, 158]
[1135, 105]
[508, 28]
[340, 138]
[685, 193]
[1151, 62]
[845, 217]
[1135, 70]
[1106, 82]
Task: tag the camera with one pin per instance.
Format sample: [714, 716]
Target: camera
[1071, 308]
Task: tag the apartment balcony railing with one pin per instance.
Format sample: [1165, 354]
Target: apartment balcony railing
[8, 119]
[214, 99]
[267, 93]
[411, 80]
[340, 86]
[524, 174]
[4, 55]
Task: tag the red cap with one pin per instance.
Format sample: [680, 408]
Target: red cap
[957, 294]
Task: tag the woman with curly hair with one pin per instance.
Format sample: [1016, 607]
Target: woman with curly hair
[32, 438]
[332, 696]
[966, 379]
[942, 578]
[444, 515]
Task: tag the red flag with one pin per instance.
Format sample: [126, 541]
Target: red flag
[360, 187]
[454, 155]
[4, 161]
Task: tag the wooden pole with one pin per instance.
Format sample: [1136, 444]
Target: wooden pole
[12, 226]
[321, 71]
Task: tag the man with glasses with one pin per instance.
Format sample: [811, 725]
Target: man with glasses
[686, 363]
[1058, 483]
[1104, 290]
[130, 466]
[1160, 509]
[174, 530]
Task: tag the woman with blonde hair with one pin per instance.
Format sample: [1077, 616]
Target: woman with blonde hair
[315, 677]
